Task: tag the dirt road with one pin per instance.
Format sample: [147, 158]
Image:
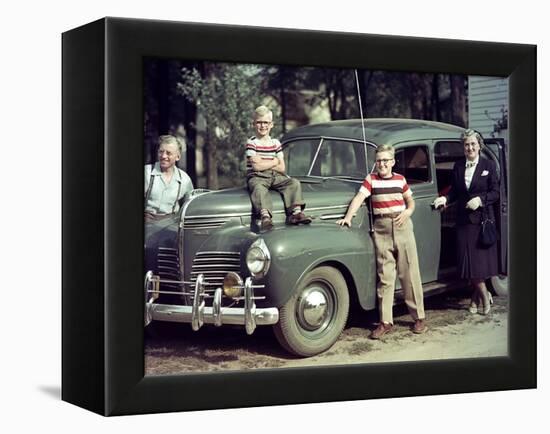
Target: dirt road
[454, 333]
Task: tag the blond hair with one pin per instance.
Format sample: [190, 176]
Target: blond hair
[262, 111]
[386, 148]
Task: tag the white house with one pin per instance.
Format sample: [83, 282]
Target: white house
[488, 106]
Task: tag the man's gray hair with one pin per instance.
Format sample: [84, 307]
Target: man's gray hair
[168, 139]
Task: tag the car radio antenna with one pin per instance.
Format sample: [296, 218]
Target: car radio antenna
[361, 110]
[364, 140]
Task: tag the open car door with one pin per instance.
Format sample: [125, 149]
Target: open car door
[498, 148]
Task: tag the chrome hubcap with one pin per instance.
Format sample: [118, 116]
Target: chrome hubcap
[313, 308]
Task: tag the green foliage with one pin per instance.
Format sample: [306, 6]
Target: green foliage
[226, 96]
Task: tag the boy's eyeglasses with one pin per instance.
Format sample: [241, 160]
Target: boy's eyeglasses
[384, 161]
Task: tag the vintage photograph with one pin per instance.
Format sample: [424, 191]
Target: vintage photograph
[301, 216]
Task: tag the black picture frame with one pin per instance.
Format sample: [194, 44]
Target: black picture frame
[102, 296]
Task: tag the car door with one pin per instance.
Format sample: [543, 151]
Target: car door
[496, 149]
[415, 162]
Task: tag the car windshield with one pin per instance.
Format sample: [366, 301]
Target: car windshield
[327, 158]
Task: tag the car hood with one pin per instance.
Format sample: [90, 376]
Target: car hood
[317, 193]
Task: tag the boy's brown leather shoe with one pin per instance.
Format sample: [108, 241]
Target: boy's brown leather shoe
[419, 326]
[381, 330]
[267, 223]
[299, 218]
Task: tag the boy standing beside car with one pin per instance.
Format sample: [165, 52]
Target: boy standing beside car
[392, 207]
[265, 170]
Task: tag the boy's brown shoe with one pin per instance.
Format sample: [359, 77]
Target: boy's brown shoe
[420, 327]
[381, 330]
[267, 223]
[299, 218]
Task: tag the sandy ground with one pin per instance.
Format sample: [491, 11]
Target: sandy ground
[453, 333]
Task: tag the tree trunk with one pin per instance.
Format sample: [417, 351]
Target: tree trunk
[211, 162]
[416, 96]
[163, 93]
[436, 107]
[364, 81]
[282, 83]
[330, 94]
[189, 122]
[458, 100]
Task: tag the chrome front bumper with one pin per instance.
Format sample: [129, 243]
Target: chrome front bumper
[198, 314]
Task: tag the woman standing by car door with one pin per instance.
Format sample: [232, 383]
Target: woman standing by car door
[474, 188]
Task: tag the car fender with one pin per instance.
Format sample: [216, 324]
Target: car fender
[296, 250]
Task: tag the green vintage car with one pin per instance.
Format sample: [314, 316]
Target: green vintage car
[211, 264]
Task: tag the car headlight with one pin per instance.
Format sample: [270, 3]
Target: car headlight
[258, 258]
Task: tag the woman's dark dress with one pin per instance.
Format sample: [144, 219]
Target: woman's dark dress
[474, 261]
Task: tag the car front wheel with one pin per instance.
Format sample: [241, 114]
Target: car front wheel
[314, 317]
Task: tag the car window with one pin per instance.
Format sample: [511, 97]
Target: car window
[299, 154]
[413, 163]
[340, 158]
[446, 153]
[333, 158]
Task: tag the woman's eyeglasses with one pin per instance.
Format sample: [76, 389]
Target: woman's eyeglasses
[384, 161]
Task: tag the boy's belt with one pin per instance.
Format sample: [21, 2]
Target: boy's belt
[390, 215]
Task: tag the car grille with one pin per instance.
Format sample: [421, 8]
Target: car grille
[168, 267]
[204, 222]
[214, 266]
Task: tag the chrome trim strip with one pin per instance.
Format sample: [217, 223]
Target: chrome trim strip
[170, 292]
[148, 303]
[215, 216]
[178, 282]
[322, 208]
[217, 307]
[229, 315]
[217, 252]
[221, 259]
[200, 228]
[249, 307]
[344, 139]
[181, 234]
[211, 219]
[274, 212]
[197, 313]
[331, 216]
[216, 263]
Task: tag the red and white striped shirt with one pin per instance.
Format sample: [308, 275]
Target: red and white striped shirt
[388, 194]
[266, 150]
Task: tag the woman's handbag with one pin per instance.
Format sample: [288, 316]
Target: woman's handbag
[488, 233]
